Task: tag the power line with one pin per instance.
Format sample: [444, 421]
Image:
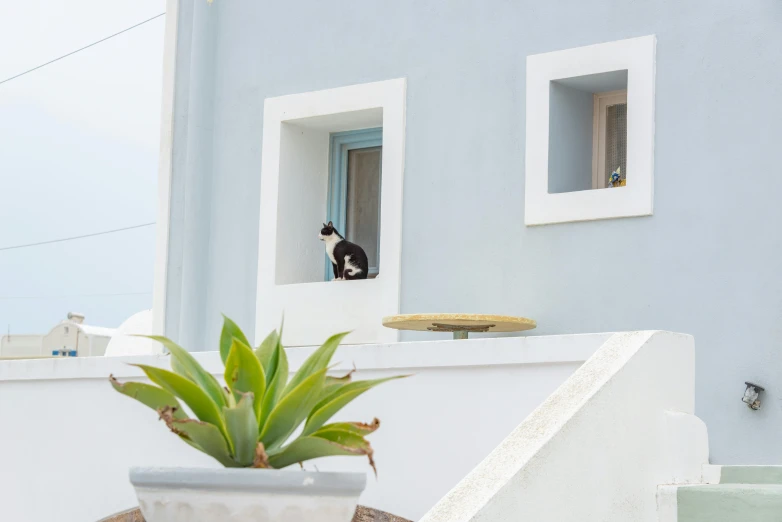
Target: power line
[76, 237]
[9, 298]
[83, 48]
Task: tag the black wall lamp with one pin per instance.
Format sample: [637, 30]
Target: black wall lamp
[752, 395]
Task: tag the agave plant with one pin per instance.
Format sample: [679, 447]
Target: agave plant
[250, 421]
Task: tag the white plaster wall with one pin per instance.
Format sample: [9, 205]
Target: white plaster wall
[58, 339]
[126, 341]
[20, 345]
[570, 139]
[98, 345]
[66, 431]
[303, 190]
[597, 448]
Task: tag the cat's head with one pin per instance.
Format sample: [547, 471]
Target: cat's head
[328, 232]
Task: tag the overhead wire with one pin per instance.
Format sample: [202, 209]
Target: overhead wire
[83, 236]
[82, 48]
[33, 297]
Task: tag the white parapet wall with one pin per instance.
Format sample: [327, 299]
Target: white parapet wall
[68, 439]
[599, 446]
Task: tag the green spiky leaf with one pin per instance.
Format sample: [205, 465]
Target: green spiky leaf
[191, 370]
[242, 429]
[318, 360]
[196, 399]
[308, 448]
[244, 374]
[203, 436]
[265, 354]
[178, 368]
[325, 443]
[230, 332]
[341, 436]
[292, 410]
[276, 386]
[357, 428]
[151, 396]
[334, 383]
[341, 397]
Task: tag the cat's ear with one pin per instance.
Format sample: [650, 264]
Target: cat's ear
[331, 224]
[324, 225]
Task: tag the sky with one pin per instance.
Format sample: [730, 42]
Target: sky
[78, 154]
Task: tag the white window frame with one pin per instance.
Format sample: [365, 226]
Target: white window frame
[637, 57]
[315, 310]
[601, 101]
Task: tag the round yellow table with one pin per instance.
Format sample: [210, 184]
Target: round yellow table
[460, 324]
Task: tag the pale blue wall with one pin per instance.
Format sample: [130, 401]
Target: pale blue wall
[707, 263]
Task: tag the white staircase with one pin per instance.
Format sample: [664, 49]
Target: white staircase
[617, 442]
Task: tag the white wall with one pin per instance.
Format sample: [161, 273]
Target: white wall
[98, 345]
[597, 448]
[570, 139]
[304, 176]
[126, 341]
[20, 345]
[69, 336]
[66, 431]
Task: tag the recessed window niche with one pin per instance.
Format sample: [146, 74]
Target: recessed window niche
[587, 132]
[590, 132]
[306, 195]
[333, 155]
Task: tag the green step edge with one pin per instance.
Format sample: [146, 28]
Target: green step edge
[751, 475]
[730, 503]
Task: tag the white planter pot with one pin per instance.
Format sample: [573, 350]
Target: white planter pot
[245, 495]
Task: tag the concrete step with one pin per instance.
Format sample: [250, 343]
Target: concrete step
[720, 503]
[742, 474]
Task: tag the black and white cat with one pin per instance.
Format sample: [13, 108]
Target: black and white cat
[348, 259]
